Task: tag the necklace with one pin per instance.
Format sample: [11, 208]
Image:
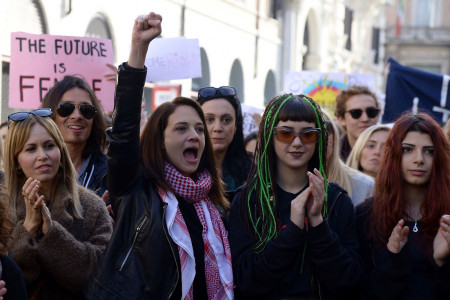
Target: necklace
[415, 228]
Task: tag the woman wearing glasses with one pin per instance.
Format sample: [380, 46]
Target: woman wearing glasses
[169, 241]
[224, 120]
[404, 230]
[368, 152]
[292, 236]
[356, 110]
[80, 118]
[60, 227]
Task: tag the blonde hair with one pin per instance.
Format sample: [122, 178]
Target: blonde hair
[447, 130]
[337, 171]
[18, 135]
[354, 159]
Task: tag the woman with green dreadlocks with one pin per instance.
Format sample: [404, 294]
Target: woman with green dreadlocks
[291, 235]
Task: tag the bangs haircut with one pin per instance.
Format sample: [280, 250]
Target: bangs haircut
[298, 110]
[262, 177]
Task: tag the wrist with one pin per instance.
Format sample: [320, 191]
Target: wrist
[30, 227]
[299, 222]
[392, 249]
[439, 262]
[137, 55]
[315, 220]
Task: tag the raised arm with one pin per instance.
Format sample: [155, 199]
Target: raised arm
[123, 153]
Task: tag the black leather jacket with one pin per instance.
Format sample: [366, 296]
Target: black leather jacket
[141, 261]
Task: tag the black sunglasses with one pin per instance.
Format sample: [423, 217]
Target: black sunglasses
[208, 93]
[20, 116]
[372, 112]
[65, 109]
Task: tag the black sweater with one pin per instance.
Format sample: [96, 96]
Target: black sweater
[409, 274]
[12, 275]
[331, 267]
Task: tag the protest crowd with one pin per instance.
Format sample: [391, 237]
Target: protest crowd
[182, 205]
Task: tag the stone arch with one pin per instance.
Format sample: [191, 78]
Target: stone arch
[237, 79]
[32, 20]
[310, 47]
[205, 80]
[270, 87]
[100, 27]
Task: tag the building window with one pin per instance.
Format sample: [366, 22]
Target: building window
[270, 87]
[426, 13]
[376, 43]
[205, 80]
[273, 9]
[237, 79]
[348, 27]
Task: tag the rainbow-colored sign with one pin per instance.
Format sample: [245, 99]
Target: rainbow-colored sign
[324, 87]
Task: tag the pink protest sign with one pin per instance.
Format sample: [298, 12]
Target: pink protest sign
[38, 61]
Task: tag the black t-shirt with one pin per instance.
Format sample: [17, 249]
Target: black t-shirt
[195, 229]
[409, 274]
[298, 281]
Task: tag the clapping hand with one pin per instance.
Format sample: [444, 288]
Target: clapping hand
[2, 289]
[314, 204]
[399, 237]
[312, 198]
[441, 244]
[298, 208]
[33, 203]
[37, 214]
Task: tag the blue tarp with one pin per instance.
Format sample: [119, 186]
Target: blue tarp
[405, 83]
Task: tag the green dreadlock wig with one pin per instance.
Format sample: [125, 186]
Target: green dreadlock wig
[265, 221]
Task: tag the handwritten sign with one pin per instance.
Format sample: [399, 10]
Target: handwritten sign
[161, 94]
[39, 61]
[324, 87]
[249, 125]
[174, 58]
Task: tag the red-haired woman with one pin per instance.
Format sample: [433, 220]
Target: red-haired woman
[404, 230]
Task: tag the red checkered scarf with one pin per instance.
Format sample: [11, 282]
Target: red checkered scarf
[196, 192]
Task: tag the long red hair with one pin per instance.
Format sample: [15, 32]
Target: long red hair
[388, 204]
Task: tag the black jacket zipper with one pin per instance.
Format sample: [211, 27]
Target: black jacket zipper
[136, 233]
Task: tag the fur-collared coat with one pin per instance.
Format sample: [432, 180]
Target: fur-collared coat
[58, 264]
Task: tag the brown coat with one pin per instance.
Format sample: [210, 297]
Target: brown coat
[59, 264]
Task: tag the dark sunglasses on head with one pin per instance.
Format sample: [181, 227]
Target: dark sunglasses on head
[208, 93]
[287, 135]
[65, 109]
[372, 112]
[20, 116]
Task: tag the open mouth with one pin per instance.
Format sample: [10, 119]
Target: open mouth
[190, 154]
